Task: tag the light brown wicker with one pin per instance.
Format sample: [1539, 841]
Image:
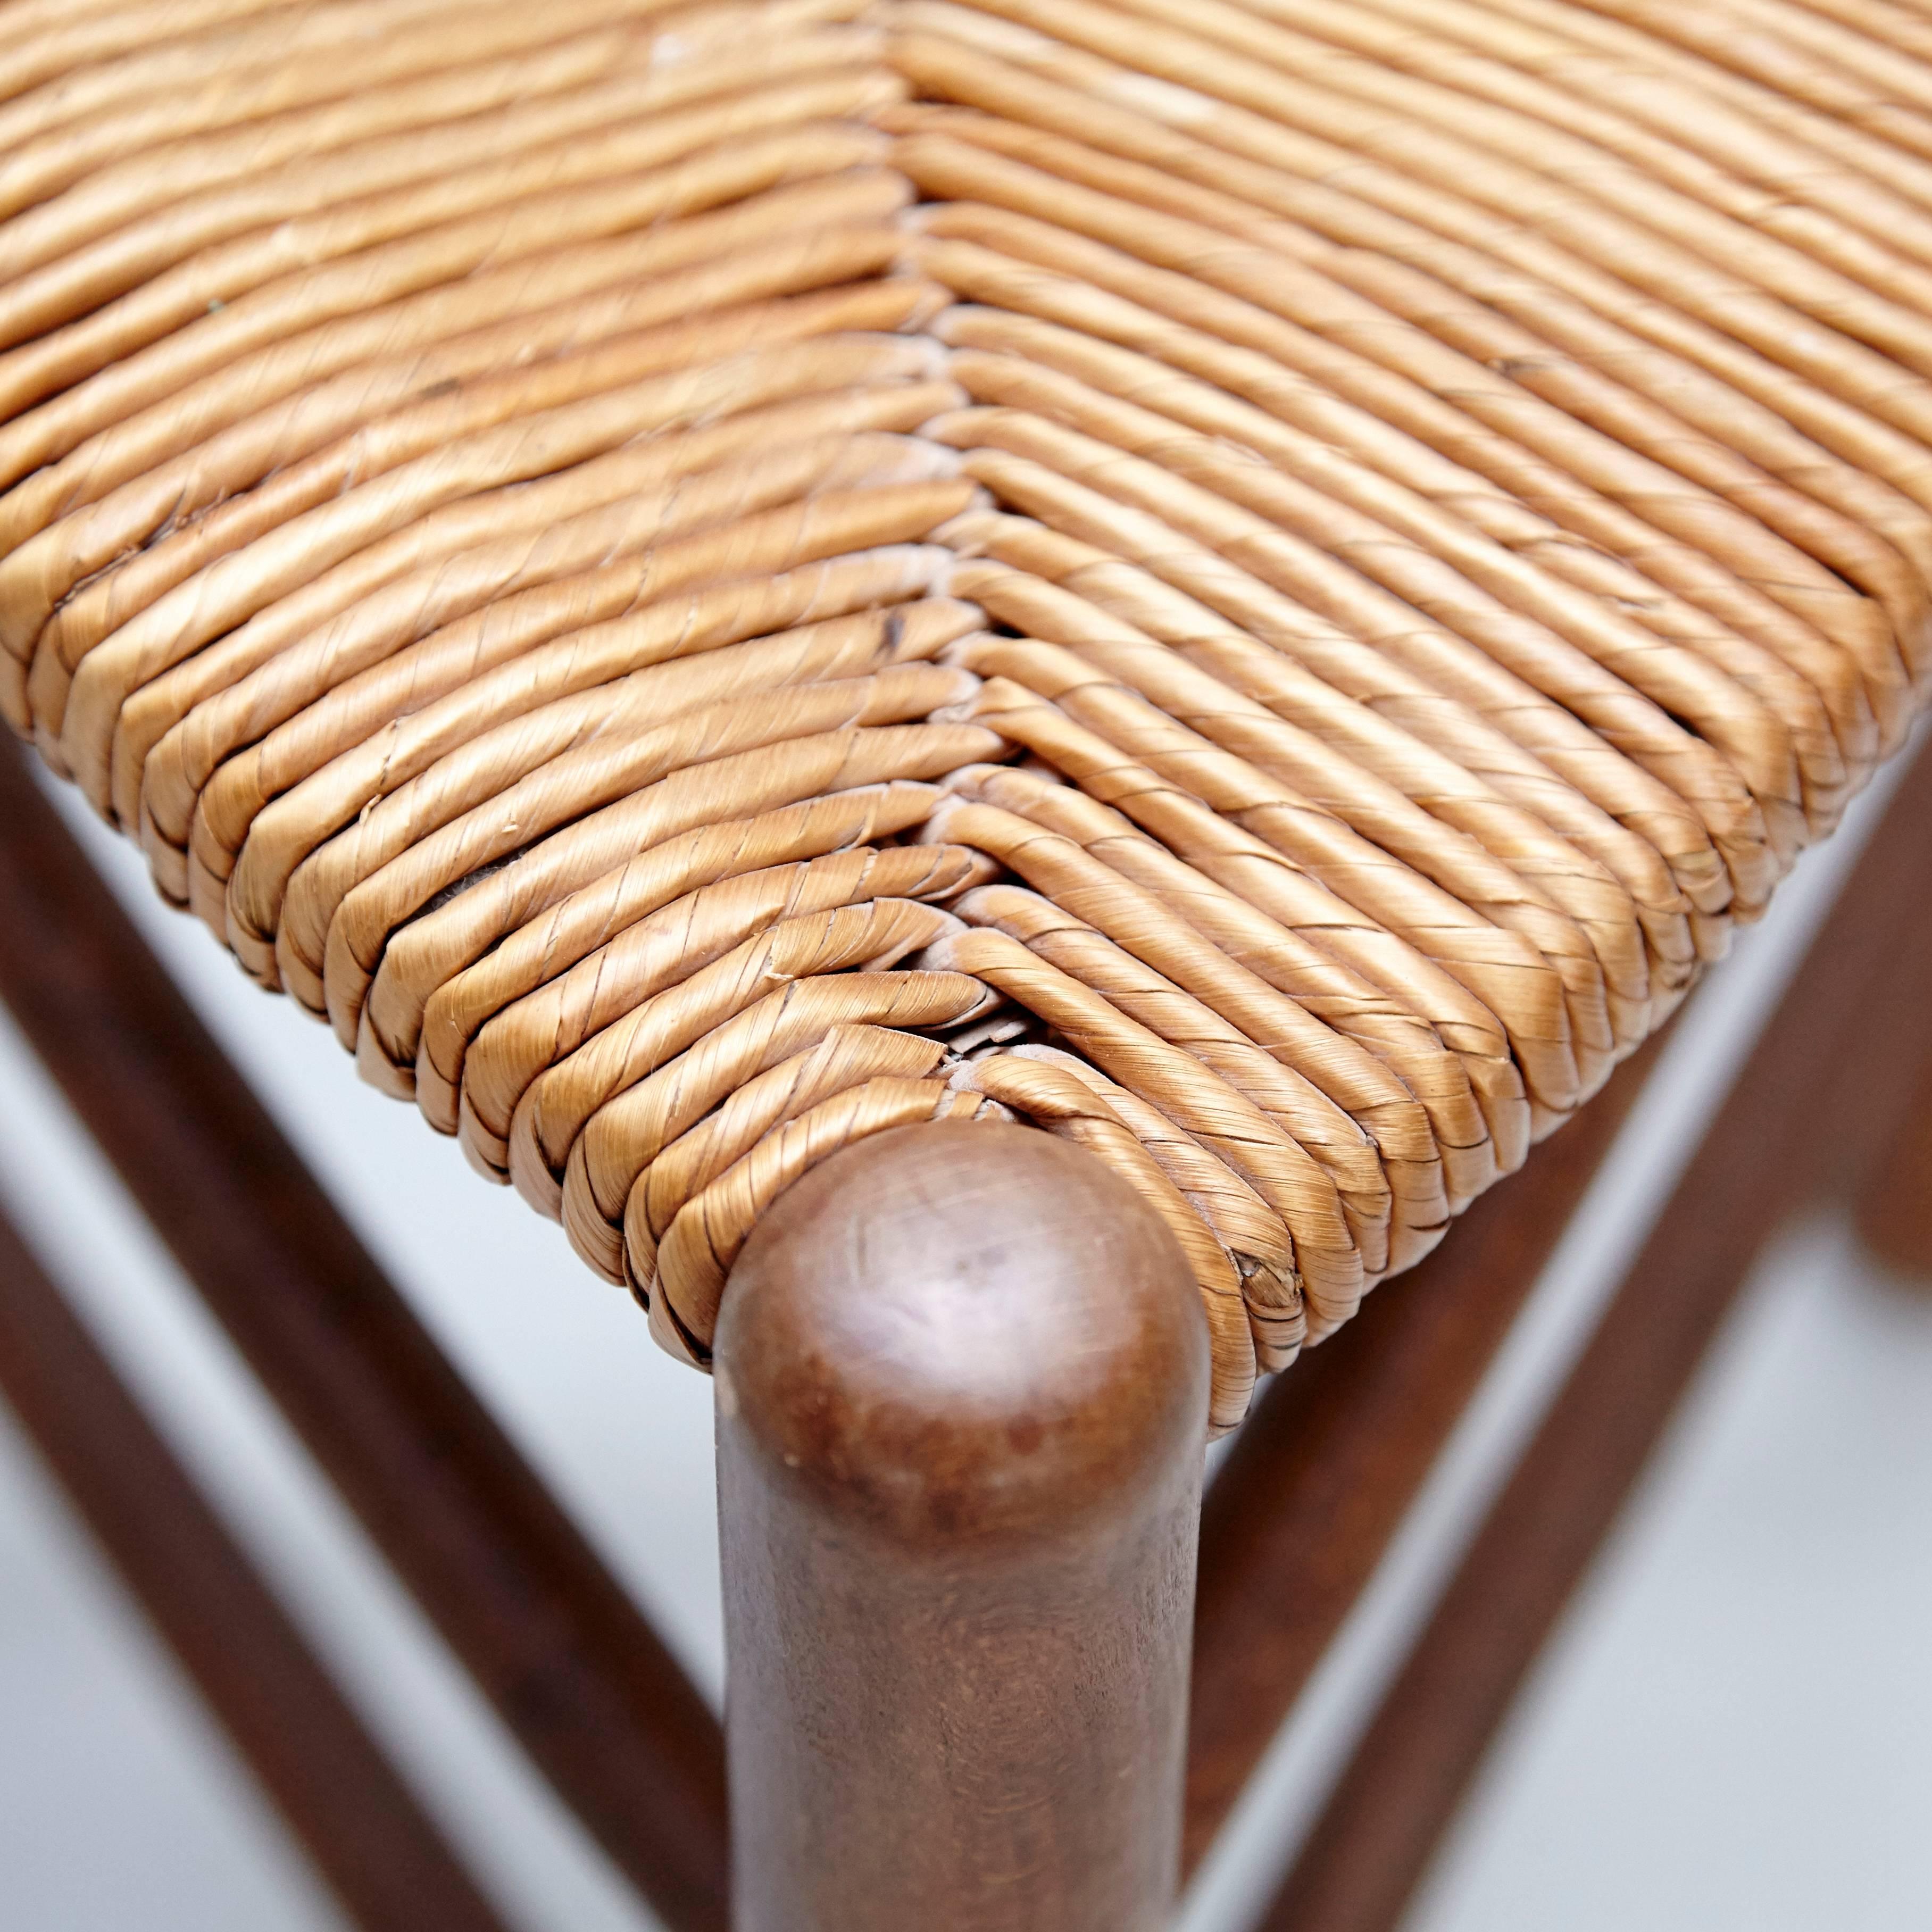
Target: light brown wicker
[1257, 583]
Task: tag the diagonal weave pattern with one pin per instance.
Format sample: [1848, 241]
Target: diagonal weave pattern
[1256, 582]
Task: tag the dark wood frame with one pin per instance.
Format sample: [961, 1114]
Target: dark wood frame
[1081, 1603]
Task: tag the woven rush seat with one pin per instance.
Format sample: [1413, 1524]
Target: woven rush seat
[1257, 584]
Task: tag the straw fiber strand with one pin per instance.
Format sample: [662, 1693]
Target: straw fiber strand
[1256, 584]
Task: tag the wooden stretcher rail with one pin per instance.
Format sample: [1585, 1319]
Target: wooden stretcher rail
[958, 1572]
[1315, 1485]
[549, 1636]
[370, 1840]
[1852, 1034]
[1895, 1208]
[1879, 1135]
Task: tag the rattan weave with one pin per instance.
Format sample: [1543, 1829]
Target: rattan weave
[1258, 583]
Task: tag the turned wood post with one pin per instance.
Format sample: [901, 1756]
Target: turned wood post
[1894, 1206]
[962, 1391]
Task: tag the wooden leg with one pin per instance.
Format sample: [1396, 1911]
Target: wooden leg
[962, 1389]
[1880, 1130]
[1894, 1206]
[371, 1842]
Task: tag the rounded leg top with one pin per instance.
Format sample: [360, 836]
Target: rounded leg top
[964, 1328]
[962, 1401]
